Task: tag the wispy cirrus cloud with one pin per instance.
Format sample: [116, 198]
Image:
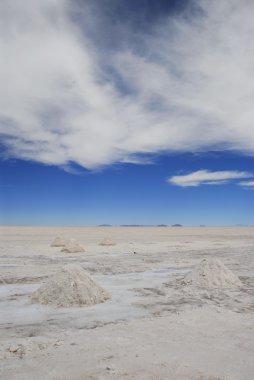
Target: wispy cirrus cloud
[206, 177]
[247, 184]
[185, 87]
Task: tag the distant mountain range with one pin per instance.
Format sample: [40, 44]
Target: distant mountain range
[140, 225]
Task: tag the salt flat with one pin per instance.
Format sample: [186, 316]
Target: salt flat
[153, 327]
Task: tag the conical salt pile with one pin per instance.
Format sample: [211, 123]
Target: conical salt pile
[72, 246]
[71, 286]
[58, 242]
[212, 273]
[107, 241]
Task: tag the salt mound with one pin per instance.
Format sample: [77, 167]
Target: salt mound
[212, 273]
[107, 241]
[71, 286]
[58, 242]
[72, 246]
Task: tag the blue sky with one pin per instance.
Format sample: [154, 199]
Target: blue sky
[124, 194]
[127, 112]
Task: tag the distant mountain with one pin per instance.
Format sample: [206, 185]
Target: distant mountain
[176, 225]
[132, 225]
[105, 225]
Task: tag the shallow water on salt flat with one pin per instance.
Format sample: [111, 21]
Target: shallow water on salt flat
[17, 310]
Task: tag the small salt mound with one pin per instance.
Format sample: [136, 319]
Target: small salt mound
[107, 241]
[58, 242]
[72, 246]
[212, 273]
[71, 286]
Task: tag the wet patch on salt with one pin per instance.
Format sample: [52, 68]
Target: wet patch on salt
[17, 309]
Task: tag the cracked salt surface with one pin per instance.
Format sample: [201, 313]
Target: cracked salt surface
[16, 308]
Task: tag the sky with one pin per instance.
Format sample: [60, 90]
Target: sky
[126, 112]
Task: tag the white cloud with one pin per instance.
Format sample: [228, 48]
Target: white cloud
[247, 184]
[206, 177]
[190, 90]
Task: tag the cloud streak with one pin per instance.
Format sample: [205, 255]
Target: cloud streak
[206, 177]
[247, 184]
[186, 88]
